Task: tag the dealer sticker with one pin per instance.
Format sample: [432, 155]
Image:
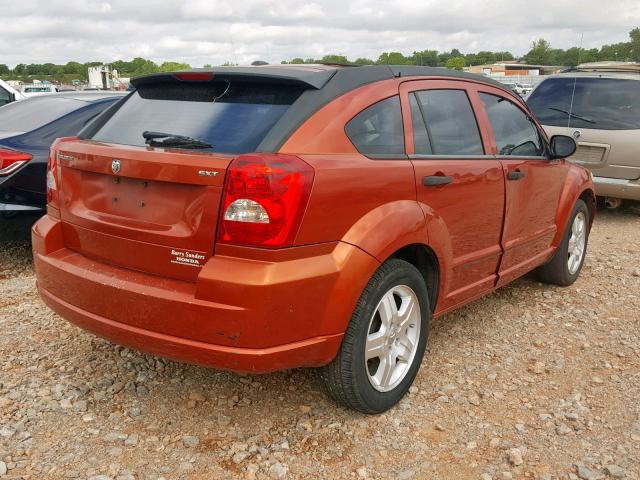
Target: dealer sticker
[185, 257]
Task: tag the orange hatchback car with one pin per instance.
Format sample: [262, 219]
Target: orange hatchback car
[264, 218]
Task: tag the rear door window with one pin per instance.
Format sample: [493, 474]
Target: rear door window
[597, 103]
[448, 125]
[377, 130]
[234, 117]
[514, 131]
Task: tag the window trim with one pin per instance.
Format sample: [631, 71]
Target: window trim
[414, 97]
[470, 88]
[381, 156]
[473, 113]
[546, 156]
[420, 156]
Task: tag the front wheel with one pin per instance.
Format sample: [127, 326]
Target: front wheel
[384, 343]
[564, 267]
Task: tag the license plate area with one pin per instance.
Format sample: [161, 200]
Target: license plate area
[147, 201]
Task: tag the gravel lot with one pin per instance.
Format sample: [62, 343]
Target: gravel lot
[530, 382]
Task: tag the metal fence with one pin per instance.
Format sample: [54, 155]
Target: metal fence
[532, 80]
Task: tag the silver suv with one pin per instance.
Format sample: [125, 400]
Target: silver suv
[599, 106]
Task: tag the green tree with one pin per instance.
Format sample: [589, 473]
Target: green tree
[364, 61]
[504, 56]
[540, 53]
[338, 59]
[393, 58]
[4, 70]
[74, 68]
[635, 44]
[455, 63]
[142, 66]
[34, 69]
[174, 66]
[620, 52]
[428, 58]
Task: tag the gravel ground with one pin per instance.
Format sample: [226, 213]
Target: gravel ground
[531, 382]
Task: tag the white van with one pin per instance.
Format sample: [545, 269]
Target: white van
[8, 94]
[38, 89]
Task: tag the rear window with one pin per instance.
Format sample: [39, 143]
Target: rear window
[27, 115]
[234, 117]
[377, 130]
[598, 103]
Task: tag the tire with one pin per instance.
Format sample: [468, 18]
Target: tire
[560, 270]
[366, 385]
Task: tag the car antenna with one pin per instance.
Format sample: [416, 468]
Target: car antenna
[575, 80]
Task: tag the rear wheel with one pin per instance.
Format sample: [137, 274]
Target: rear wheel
[564, 267]
[384, 343]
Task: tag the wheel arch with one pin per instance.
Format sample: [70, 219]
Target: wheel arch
[425, 260]
[588, 196]
[578, 185]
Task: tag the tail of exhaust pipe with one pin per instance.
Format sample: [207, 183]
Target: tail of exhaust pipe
[612, 203]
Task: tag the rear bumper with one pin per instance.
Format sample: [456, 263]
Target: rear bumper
[241, 314]
[311, 352]
[618, 188]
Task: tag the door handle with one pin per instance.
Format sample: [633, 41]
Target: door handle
[434, 180]
[515, 175]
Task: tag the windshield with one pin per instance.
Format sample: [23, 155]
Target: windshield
[598, 103]
[27, 115]
[37, 89]
[233, 117]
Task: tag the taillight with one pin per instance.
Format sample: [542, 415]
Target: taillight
[264, 199]
[53, 180]
[12, 160]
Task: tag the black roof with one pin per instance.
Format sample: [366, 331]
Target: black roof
[317, 75]
[322, 84]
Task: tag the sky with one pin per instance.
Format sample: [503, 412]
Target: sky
[202, 32]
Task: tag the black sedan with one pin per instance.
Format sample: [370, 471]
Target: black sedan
[27, 130]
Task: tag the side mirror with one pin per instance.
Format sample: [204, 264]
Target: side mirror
[562, 146]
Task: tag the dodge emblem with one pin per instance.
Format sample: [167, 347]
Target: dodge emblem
[115, 165]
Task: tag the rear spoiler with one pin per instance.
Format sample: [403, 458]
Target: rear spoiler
[304, 77]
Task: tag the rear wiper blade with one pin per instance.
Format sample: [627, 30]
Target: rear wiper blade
[161, 139]
[571, 114]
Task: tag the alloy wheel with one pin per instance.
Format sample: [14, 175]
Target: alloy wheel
[392, 339]
[577, 242]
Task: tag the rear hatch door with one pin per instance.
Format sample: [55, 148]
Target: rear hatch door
[148, 209]
[149, 201]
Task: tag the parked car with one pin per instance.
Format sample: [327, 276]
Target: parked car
[510, 86]
[27, 129]
[522, 89]
[8, 94]
[263, 218]
[599, 107]
[34, 89]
